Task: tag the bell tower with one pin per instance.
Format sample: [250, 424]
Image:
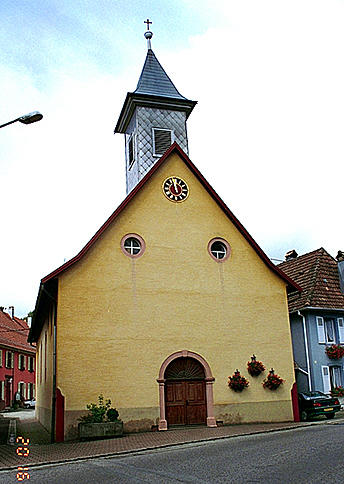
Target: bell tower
[152, 118]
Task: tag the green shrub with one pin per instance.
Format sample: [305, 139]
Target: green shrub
[100, 413]
[112, 414]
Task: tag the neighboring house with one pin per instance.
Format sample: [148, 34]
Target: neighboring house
[168, 298]
[17, 360]
[316, 317]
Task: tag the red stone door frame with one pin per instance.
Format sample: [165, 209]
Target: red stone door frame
[209, 380]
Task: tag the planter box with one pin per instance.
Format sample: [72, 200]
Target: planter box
[100, 430]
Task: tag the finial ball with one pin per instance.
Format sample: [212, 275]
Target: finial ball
[148, 34]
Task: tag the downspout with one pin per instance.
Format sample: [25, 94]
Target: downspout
[306, 347]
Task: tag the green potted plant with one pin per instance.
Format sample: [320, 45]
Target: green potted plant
[101, 421]
[272, 381]
[335, 352]
[237, 382]
[255, 367]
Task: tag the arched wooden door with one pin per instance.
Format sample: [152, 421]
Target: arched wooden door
[185, 395]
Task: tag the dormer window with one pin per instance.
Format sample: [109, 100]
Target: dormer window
[131, 151]
[162, 140]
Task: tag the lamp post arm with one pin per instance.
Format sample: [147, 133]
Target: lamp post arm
[10, 122]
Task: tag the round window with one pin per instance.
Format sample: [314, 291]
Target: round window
[133, 245]
[219, 249]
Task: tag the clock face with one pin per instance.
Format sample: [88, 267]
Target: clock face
[175, 189]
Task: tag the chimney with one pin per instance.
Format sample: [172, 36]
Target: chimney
[292, 254]
[340, 260]
[11, 311]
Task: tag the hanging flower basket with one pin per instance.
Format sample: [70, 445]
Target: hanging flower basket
[337, 392]
[272, 381]
[255, 367]
[335, 352]
[237, 382]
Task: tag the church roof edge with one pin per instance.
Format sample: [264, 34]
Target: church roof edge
[292, 285]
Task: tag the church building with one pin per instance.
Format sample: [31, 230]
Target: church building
[168, 299]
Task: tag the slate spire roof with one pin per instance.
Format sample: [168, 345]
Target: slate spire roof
[154, 81]
[317, 274]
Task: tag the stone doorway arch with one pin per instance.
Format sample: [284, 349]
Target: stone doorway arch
[209, 380]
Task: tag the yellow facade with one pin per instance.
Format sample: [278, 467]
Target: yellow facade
[119, 318]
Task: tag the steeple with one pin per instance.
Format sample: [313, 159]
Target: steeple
[152, 118]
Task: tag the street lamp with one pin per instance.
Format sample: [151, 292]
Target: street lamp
[26, 119]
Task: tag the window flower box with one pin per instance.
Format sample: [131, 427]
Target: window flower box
[337, 392]
[237, 382]
[334, 352]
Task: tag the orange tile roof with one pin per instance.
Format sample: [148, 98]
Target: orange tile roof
[14, 333]
[317, 273]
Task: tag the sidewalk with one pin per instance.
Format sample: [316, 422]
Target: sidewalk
[44, 452]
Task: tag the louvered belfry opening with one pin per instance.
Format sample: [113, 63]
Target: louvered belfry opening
[162, 140]
[184, 369]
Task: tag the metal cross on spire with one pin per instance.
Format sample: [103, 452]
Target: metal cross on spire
[147, 22]
[148, 35]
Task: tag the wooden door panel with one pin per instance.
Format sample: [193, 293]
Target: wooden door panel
[195, 392]
[195, 414]
[175, 403]
[175, 415]
[195, 402]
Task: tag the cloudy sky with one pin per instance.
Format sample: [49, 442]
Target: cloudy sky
[267, 133]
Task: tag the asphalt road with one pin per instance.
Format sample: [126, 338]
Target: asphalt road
[306, 455]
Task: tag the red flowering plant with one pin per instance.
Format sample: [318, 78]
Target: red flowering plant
[237, 382]
[255, 367]
[272, 381]
[334, 352]
[338, 391]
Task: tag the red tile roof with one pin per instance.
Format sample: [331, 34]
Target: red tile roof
[14, 333]
[317, 274]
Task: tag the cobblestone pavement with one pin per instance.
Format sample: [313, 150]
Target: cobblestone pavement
[67, 451]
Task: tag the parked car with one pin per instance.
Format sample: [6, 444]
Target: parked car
[316, 403]
[30, 403]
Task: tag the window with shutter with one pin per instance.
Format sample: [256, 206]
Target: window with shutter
[0, 358]
[329, 331]
[21, 362]
[321, 330]
[131, 151]
[326, 379]
[2, 390]
[9, 359]
[335, 376]
[162, 140]
[340, 322]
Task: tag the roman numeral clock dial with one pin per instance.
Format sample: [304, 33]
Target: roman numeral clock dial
[175, 189]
